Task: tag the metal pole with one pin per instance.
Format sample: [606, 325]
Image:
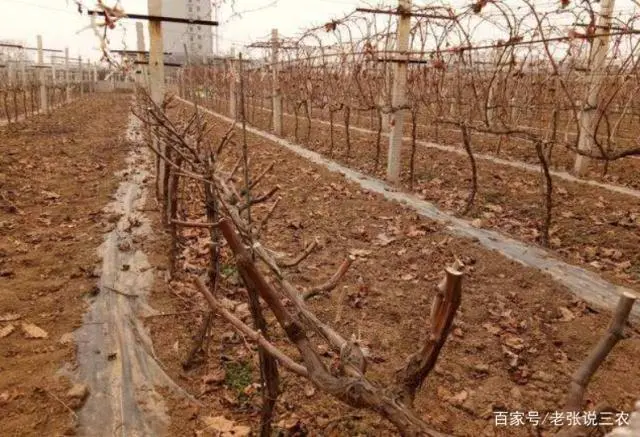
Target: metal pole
[275, 90]
[588, 113]
[398, 98]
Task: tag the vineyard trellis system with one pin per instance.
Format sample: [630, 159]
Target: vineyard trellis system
[194, 179]
[531, 91]
[28, 88]
[534, 89]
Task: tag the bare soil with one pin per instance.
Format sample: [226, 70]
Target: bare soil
[56, 175]
[592, 227]
[15, 104]
[517, 338]
[622, 172]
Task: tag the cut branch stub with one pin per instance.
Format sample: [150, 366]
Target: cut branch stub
[419, 365]
[580, 379]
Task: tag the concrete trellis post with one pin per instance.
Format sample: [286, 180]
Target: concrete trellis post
[142, 77]
[232, 84]
[188, 70]
[398, 97]
[42, 78]
[588, 113]
[156, 61]
[156, 81]
[11, 73]
[94, 70]
[67, 81]
[12, 82]
[81, 73]
[89, 77]
[387, 89]
[23, 74]
[275, 90]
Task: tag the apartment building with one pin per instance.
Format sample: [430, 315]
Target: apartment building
[197, 38]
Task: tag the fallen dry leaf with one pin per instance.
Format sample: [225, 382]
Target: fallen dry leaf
[6, 331]
[493, 329]
[614, 254]
[384, 240]
[66, 338]
[215, 377]
[459, 398]
[414, 232]
[513, 342]
[408, 277]
[218, 423]
[513, 358]
[223, 427]
[309, 391]
[9, 317]
[494, 208]
[566, 314]
[50, 195]
[239, 431]
[33, 331]
[360, 252]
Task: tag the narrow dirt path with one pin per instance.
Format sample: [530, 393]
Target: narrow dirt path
[57, 173]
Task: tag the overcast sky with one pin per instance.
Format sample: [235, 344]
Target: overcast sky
[59, 22]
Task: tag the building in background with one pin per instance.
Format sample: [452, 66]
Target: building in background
[197, 39]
